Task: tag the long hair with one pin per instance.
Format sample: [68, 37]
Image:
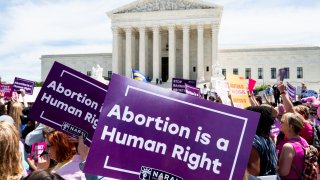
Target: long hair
[15, 112]
[266, 120]
[43, 175]
[64, 148]
[10, 157]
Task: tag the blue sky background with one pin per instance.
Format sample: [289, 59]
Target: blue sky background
[31, 28]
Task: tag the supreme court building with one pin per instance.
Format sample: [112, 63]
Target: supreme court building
[179, 38]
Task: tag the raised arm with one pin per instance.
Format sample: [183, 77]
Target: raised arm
[285, 98]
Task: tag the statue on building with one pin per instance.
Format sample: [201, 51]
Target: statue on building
[97, 74]
[217, 71]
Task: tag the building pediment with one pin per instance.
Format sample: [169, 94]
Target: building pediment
[163, 5]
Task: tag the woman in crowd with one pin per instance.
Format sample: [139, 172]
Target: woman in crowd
[292, 154]
[10, 158]
[15, 112]
[307, 131]
[62, 150]
[42, 175]
[263, 158]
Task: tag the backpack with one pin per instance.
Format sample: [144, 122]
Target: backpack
[310, 163]
[316, 140]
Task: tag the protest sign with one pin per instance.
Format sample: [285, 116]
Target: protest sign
[20, 83]
[310, 93]
[178, 84]
[281, 74]
[36, 150]
[169, 134]
[222, 89]
[251, 84]
[193, 91]
[238, 91]
[69, 101]
[7, 90]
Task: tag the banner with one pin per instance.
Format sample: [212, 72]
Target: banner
[193, 91]
[222, 89]
[169, 134]
[238, 91]
[291, 91]
[20, 83]
[136, 75]
[7, 90]
[178, 84]
[69, 101]
[251, 84]
[309, 93]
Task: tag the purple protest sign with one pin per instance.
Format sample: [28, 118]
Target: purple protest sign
[168, 134]
[275, 129]
[282, 73]
[69, 101]
[7, 90]
[178, 84]
[20, 83]
[193, 91]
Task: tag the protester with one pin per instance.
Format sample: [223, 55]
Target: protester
[269, 93]
[3, 114]
[263, 158]
[62, 150]
[10, 159]
[43, 175]
[15, 112]
[205, 92]
[307, 131]
[292, 153]
[276, 94]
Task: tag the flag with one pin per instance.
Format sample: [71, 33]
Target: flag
[251, 84]
[136, 75]
[291, 91]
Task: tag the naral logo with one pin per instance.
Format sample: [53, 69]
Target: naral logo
[148, 173]
[74, 130]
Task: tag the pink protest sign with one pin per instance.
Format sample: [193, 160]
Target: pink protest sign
[251, 84]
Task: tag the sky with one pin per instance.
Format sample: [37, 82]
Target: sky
[32, 28]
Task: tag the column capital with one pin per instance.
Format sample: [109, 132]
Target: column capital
[171, 27]
[142, 28]
[200, 27]
[115, 29]
[128, 29]
[155, 28]
[215, 26]
[186, 27]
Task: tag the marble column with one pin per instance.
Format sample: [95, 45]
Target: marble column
[186, 61]
[214, 34]
[156, 52]
[128, 66]
[200, 60]
[172, 51]
[115, 50]
[142, 50]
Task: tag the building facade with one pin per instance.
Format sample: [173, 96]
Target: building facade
[179, 38]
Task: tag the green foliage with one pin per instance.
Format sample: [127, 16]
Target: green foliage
[39, 84]
[261, 87]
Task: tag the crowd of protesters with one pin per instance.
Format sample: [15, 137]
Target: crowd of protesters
[281, 154]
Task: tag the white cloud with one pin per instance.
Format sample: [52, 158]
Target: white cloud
[31, 28]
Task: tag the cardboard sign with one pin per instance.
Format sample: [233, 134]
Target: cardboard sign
[7, 90]
[251, 84]
[23, 84]
[36, 150]
[282, 72]
[222, 89]
[193, 91]
[69, 101]
[238, 91]
[168, 134]
[178, 84]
